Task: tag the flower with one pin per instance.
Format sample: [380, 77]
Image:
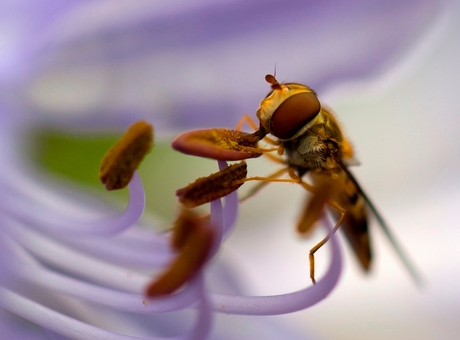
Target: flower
[196, 65]
[60, 253]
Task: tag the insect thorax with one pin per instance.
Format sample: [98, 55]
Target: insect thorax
[317, 147]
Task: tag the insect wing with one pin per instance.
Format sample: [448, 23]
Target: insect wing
[342, 191]
[386, 229]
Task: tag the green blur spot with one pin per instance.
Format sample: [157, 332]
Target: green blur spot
[72, 156]
[77, 157]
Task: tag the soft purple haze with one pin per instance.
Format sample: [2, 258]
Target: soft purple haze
[388, 68]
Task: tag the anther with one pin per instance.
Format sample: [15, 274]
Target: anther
[193, 237]
[120, 162]
[219, 144]
[214, 186]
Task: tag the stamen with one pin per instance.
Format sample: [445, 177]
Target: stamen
[182, 229]
[214, 186]
[288, 302]
[194, 238]
[124, 157]
[219, 144]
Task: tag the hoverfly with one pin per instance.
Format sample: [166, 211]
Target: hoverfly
[309, 141]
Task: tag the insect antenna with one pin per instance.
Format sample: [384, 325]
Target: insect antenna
[386, 229]
[275, 85]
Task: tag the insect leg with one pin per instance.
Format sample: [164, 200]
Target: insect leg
[322, 193]
[246, 119]
[262, 183]
[299, 180]
[311, 256]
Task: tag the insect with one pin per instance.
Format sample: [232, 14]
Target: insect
[309, 141]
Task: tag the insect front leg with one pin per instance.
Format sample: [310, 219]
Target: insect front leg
[246, 119]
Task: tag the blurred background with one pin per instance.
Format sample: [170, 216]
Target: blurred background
[388, 69]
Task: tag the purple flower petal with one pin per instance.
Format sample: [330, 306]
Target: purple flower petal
[219, 69]
[57, 322]
[65, 227]
[285, 303]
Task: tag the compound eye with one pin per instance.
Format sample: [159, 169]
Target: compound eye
[294, 113]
